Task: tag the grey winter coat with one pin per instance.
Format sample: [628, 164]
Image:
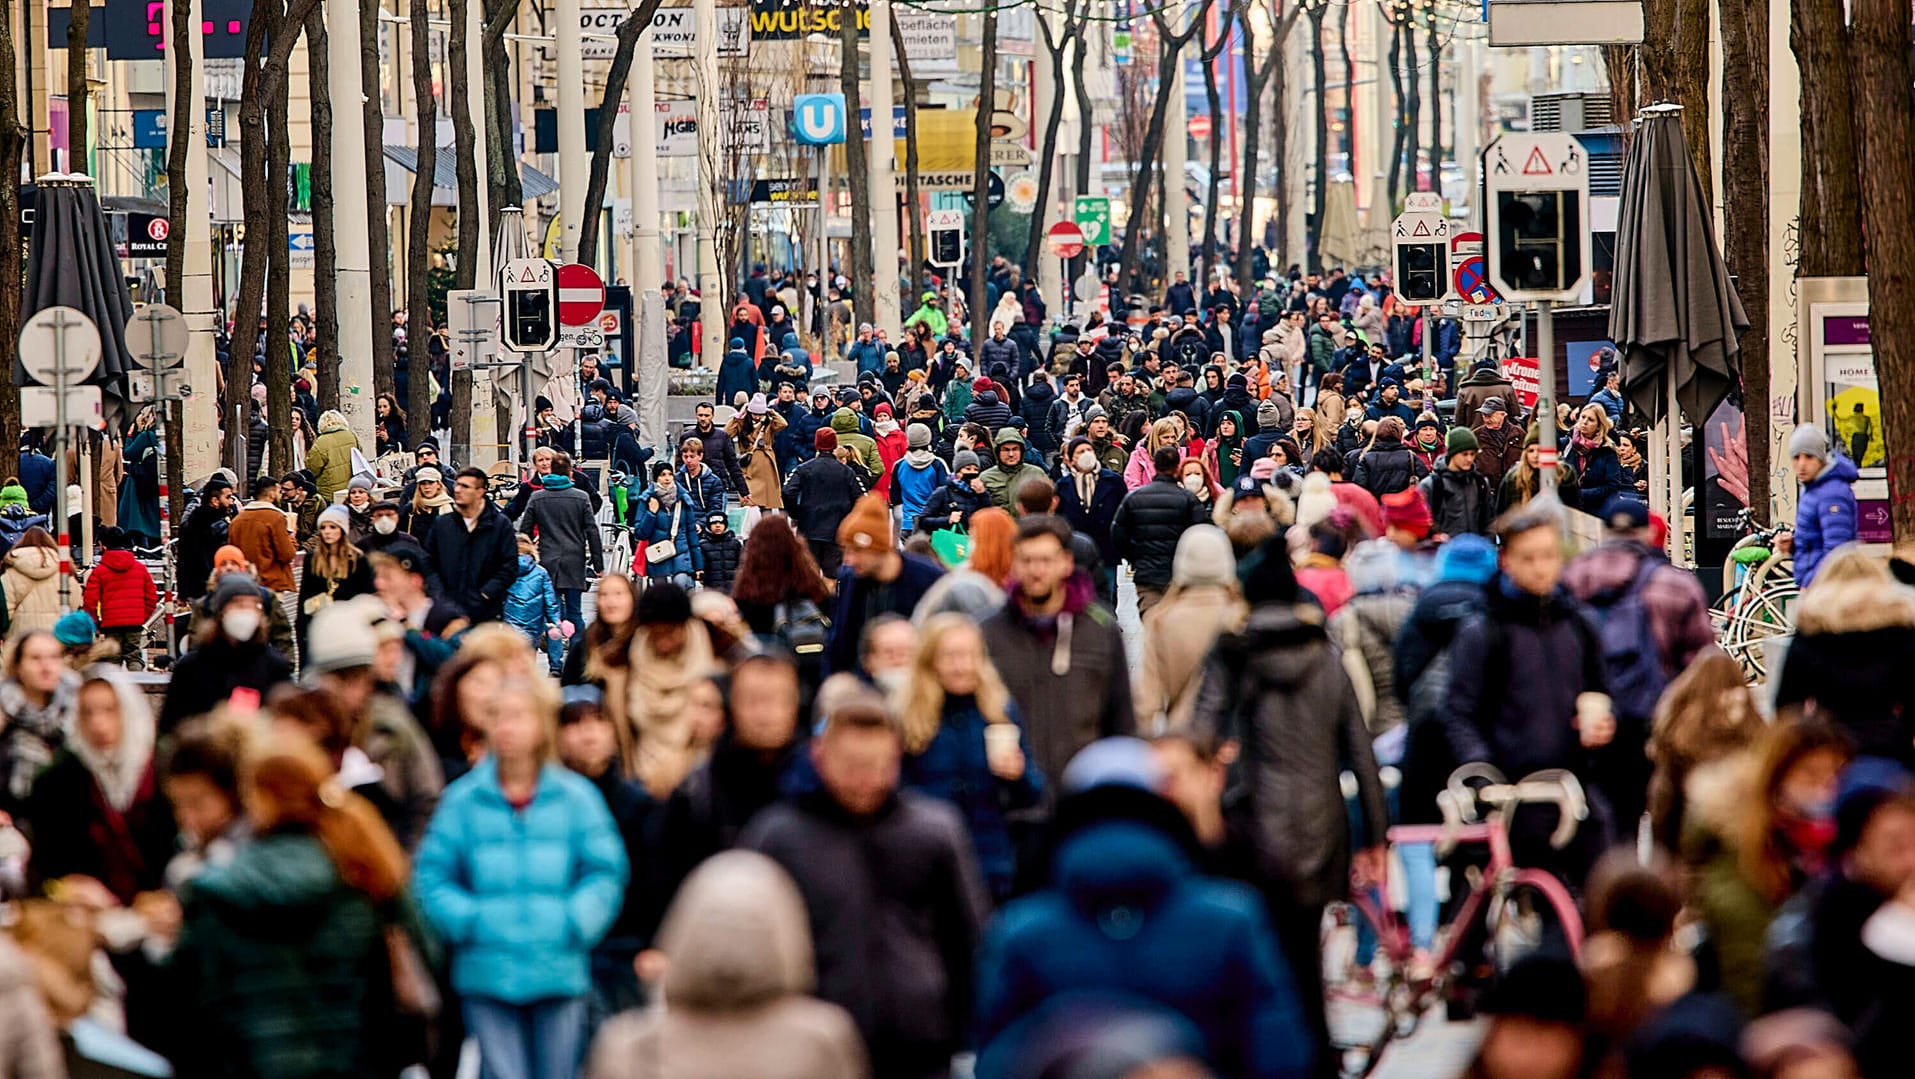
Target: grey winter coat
[1365, 629]
[567, 532]
[1280, 688]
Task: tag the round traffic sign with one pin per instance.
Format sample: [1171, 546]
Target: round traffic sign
[1065, 240]
[156, 337]
[158, 229]
[581, 294]
[56, 337]
[1200, 126]
[1472, 281]
[993, 194]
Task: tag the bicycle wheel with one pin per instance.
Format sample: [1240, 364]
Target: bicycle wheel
[1367, 1005]
[1530, 915]
[1765, 617]
[618, 553]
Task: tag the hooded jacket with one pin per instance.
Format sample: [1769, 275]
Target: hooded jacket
[281, 968]
[31, 582]
[988, 410]
[738, 989]
[532, 604]
[330, 455]
[1515, 672]
[119, 591]
[845, 423]
[1461, 501]
[1128, 923]
[818, 494]
[914, 479]
[1280, 689]
[1850, 659]
[1824, 517]
[1038, 415]
[1002, 483]
[736, 374]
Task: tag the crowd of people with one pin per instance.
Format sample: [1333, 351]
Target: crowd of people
[856, 769]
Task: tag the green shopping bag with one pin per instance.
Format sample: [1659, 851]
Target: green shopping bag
[951, 545]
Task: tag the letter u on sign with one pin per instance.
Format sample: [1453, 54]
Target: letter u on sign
[818, 119]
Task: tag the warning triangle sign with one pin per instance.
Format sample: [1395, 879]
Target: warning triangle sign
[1422, 229]
[1537, 164]
[525, 275]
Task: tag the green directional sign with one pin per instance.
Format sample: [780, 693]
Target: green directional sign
[1093, 217]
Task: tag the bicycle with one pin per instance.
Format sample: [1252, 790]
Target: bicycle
[1758, 593]
[1506, 914]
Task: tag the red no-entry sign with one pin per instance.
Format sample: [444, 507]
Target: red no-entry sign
[581, 294]
[1065, 240]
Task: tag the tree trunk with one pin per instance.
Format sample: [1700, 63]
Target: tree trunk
[615, 78]
[419, 229]
[1280, 146]
[1436, 102]
[1659, 50]
[502, 165]
[1256, 81]
[372, 118]
[1170, 51]
[464, 144]
[1745, 182]
[1692, 87]
[1831, 213]
[1086, 127]
[1313, 225]
[179, 128]
[1879, 46]
[13, 138]
[1348, 104]
[1619, 65]
[980, 184]
[1047, 163]
[279, 364]
[76, 86]
[257, 212]
[325, 243]
[859, 172]
[1413, 140]
[1207, 257]
[913, 220]
[1395, 180]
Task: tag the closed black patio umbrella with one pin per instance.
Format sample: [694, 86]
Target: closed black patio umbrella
[1673, 311]
[70, 263]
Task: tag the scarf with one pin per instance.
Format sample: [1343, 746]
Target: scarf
[33, 735]
[555, 482]
[666, 499]
[885, 428]
[120, 773]
[1586, 445]
[657, 691]
[423, 501]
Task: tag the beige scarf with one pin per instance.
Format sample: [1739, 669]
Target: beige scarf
[656, 693]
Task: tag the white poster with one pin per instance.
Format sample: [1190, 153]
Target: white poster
[930, 40]
[677, 128]
[673, 34]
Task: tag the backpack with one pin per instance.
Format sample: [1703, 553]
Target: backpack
[802, 627]
[1632, 661]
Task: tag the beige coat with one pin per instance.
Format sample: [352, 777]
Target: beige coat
[761, 467]
[1178, 635]
[735, 1004]
[32, 584]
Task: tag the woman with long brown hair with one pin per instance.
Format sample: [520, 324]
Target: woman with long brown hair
[335, 569]
[776, 570]
[1705, 715]
[282, 967]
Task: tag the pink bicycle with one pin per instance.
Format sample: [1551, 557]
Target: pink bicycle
[1508, 912]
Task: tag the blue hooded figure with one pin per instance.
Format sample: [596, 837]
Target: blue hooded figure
[736, 374]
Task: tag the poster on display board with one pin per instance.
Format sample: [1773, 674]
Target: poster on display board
[1587, 360]
[1840, 391]
[1725, 475]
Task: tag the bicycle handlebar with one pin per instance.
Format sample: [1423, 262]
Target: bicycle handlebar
[1551, 786]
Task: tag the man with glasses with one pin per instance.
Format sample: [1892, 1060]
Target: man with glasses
[474, 551]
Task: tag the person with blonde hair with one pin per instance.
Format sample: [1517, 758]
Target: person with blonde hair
[1139, 470]
[1598, 469]
[1705, 715]
[521, 872]
[951, 710]
[281, 967]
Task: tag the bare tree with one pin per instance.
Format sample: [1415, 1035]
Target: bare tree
[981, 183]
[279, 365]
[1260, 74]
[13, 140]
[1436, 97]
[911, 196]
[1320, 178]
[1675, 67]
[1879, 50]
[859, 174]
[466, 170]
[1170, 50]
[1745, 183]
[1396, 14]
[616, 76]
[1207, 253]
[325, 242]
[1058, 45]
[1831, 210]
[372, 119]
[179, 128]
[1413, 108]
[502, 165]
[419, 227]
[76, 85]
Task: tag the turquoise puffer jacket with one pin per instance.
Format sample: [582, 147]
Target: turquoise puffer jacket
[520, 897]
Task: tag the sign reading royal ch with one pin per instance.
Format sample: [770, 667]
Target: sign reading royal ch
[779, 20]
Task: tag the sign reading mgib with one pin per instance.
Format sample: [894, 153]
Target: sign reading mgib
[795, 20]
[1538, 199]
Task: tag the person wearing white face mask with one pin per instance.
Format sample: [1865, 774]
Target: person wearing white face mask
[1087, 498]
[385, 531]
[232, 654]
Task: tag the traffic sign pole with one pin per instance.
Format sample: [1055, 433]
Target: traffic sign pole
[1546, 392]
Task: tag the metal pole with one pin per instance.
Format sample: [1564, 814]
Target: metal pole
[814, 305]
[357, 321]
[885, 309]
[1176, 196]
[60, 327]
[1546, 394]
[160, 371]
[571, 118]
[712, 174]
[200, 420]
[648, 264]
[1429, 326]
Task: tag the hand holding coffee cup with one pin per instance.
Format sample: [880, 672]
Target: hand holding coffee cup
[1594, 719]
[1002, 751]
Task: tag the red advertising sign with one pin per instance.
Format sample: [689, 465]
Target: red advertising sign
[1525, 375]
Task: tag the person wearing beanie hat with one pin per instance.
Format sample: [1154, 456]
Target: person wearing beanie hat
[817, 495]
[336, 570]
[1202, 602]
[1460, 498]
[1825, 512]
[75, 630]
[120, 596]
[917, 477]
[236, 655]
[875, 577]
[1406, 518]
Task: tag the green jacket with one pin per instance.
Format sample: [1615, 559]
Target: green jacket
[281, 969]
[330, 459]
[1002, 483]
[845, 423]
[931, 315]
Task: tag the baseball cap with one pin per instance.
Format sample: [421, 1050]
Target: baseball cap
[1491, 404]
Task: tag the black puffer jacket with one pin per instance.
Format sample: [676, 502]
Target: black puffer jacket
[993, 352]
[936, 515]
[1036, 407]
[1149, 523]
[1461, 501]
[1388, 467]
[721, 559]
[988, 410]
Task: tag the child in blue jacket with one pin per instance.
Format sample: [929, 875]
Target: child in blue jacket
[532, 606]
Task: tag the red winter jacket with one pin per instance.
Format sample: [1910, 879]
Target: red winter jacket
[119, 592]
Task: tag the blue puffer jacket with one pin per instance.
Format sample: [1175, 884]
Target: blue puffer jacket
[532, 604]
[955, 769]
[912, 484]
[649, 528]
[521, 896]
[1824, 516]
[1129, 922]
